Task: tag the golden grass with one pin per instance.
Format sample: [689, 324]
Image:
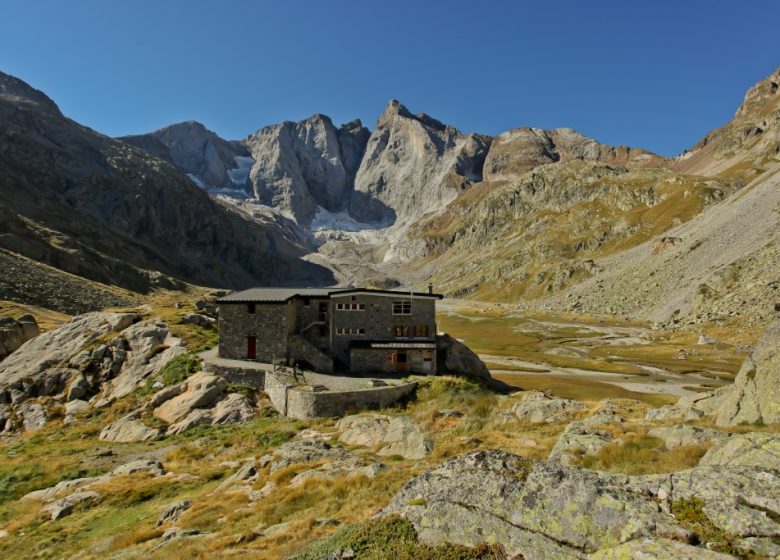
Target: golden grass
[578, 388]
[638, 453]
[46, 318]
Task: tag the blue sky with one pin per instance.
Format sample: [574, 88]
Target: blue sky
[652, 74]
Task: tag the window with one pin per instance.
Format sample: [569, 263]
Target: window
[421, 331]
[398, 357]
[427, 356]
[401, 331]
[402, 308]
[348, 330]
[306, 301]
[250, 308]
[350, 306]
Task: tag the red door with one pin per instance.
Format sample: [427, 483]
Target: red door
[251, 347]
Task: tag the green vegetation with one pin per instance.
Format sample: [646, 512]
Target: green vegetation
[394, 537]
[177, 370]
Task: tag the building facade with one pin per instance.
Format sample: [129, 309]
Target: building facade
[347, 329]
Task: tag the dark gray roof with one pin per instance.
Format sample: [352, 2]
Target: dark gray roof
[275, 294]
[280, 295]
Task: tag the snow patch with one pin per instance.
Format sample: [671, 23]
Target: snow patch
[240, 174]
[339, 221]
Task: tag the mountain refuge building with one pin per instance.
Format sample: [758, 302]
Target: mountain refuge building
[349, 330]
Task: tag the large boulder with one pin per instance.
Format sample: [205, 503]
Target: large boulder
[307, 451]
[756, 448]
[397, 435]
[682, 434]
[65, 506]
[548, 510]
[128, 429]
[201, 390]
[538, 407]
[579, 439]
[364, 429]
[405, 438]
[657, 549]
[15, 332]
[460, 359]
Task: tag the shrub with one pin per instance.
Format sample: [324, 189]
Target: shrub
[177, 369]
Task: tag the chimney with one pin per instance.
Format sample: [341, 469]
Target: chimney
[430, 288]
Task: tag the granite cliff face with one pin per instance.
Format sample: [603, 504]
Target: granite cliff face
[204, 156]
[102, 209]
[414, 165]
[304, 166]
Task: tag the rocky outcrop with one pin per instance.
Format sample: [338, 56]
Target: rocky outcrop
[65, 506]
[460, 359]
[538, 407]
[579, 439]
[172, 512]
[194, 149]
[757, 449]
[657, 549]
[200, 399]
[754, 396]
[71, 363]
[547, 510]
[392, 435]
[519, 150]
[682, 434]
[302, 166]
[414, 165]
[128, 429]
[15, 332]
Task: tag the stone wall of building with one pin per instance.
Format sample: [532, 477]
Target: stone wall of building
[307, 321]
[302, 350]
[308, 404]
[237, 375]
[379, 360]
[377, 319]
[269, 324]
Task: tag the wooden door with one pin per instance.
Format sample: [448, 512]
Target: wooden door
[401, 364]
[251, 347]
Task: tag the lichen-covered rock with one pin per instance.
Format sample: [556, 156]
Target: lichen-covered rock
[756, 449]
[548, 510]
[398, 435]
[128, 429]
[364, 429]
[657, 549]
[64, 506]
[197, 417]
[307, 451]
[682, 434]
[538, 407]
[172, 512]
[405, 438]
[149, 466]
[579, 439]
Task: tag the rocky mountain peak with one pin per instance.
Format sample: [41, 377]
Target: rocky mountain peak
[194, 149]
[762, 96]
[15, 90]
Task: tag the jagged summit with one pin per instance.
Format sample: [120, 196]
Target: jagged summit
[15, 90]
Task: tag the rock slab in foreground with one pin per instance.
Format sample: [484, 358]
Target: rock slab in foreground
[548, 510]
